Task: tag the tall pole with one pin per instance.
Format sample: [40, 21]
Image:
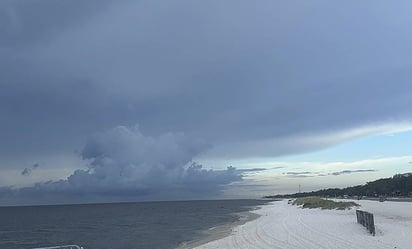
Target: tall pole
[299, 188]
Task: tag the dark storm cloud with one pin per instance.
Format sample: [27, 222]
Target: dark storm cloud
[126, 163]
[24, 23]
[250, 79]
[225, 72]
[39, 107]
[124, 158]
[272, 82]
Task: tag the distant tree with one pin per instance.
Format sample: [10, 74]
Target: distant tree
[399, 185]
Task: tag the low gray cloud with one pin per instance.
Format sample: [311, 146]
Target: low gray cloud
[313, 174]
[252, 170]
[299, 174]
[28, 171]
[344, 172]
[125, 163]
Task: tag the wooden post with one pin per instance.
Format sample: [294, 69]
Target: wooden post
[366, 220]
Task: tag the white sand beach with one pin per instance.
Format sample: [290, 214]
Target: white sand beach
[285, 226]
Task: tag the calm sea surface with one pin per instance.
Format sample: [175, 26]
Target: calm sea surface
[147, 225]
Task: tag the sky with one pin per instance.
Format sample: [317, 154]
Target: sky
[105, 100]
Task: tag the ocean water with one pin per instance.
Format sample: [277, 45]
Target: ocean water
[144, 225]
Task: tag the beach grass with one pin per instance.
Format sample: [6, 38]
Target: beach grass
[318, 202]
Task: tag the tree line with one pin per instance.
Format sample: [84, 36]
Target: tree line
[400, 185]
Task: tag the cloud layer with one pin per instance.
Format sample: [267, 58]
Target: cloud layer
[336, 173]
[235, 74]
[248, 79]
[126, 163]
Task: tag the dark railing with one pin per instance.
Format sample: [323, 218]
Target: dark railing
[366, 219]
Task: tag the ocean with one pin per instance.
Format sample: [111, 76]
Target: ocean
[143, 225]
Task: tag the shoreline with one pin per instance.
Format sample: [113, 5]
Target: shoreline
[222, 231]
[281, 225]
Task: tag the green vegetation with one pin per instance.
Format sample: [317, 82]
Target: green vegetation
[317, 202]
[397, 186]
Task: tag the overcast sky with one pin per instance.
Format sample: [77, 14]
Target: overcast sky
[144, 100]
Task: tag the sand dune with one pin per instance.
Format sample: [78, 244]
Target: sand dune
[285, 226]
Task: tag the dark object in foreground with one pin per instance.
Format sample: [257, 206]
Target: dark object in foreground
[366, 219]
